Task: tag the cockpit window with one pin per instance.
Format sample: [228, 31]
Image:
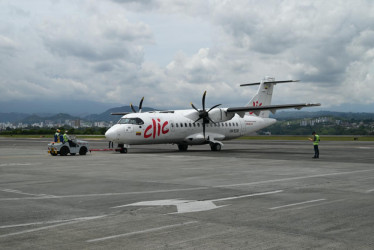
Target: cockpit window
[134, 121]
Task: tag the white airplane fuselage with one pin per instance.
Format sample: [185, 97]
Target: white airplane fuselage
[175, 127]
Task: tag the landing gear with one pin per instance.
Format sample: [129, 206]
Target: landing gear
[122, 149]
[182, 147]
[215, 147]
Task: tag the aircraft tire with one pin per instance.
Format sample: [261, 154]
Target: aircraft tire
[123, 150]
[215, 147]
[182, 147]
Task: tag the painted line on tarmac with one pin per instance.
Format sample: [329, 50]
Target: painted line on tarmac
[191, 206]
[150, 230]
[320, 204]
[369, 191]
[248, 195]
[20, 192]
[294, 178]
[14, 164]
[296, 204]
[73, 221]
[105, 194]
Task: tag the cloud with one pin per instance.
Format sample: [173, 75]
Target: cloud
[100, 50]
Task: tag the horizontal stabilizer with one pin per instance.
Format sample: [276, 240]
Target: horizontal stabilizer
[272, 108]
[273, 82]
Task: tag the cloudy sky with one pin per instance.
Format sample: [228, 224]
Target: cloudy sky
[90, 55]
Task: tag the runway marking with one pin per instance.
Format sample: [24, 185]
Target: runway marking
[142, 231]
[68, 222]
[296, 204]
[294, 178]
[105, 194]
[50, 222]
[315, 205]
[190, 206]
[14, 164]
[20, 192]
[369, 191]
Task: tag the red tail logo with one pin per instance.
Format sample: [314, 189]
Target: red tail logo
[155, 129]
[255, 104]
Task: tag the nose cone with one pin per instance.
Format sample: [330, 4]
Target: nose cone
[110, 134]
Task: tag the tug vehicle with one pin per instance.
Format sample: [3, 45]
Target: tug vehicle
[64, 148]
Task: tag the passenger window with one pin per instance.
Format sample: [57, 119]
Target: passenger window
[176, 124]
[181, 125]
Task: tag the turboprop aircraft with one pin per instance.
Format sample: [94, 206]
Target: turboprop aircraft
[198, 126]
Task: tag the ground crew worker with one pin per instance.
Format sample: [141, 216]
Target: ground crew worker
[315, 141]
[57, 135]
[66, 137]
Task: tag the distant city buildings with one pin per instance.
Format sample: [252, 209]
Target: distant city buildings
[51, 124]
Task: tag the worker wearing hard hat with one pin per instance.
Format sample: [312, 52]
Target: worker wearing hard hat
[57, 136]
[67, 139]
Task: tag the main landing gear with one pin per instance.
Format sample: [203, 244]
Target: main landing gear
[215, 146]
[182, 147]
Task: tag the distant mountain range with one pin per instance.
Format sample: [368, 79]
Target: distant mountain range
[107, 117]
[58, 118]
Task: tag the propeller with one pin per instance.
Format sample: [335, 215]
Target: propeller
[140, 106]
[204, 114]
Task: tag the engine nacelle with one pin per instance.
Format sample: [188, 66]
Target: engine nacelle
[220, 115]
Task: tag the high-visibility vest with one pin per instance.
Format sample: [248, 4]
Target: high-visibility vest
[316, 140]
[66, 138]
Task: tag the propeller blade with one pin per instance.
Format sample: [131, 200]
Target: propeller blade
[214, 107]
[197, 120]
[193, 106]
[132, 107]
[211, 120]
[203, 101]
[141, 104]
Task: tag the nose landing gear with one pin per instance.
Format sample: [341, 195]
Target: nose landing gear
[122, 149]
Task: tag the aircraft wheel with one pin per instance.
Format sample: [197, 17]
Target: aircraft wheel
[215, 147]
[182, 147]
[64, 151]
[123, 150]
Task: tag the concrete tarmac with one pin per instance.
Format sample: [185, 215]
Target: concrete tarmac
[250, 195]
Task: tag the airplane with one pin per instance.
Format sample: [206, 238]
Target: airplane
[198, 126]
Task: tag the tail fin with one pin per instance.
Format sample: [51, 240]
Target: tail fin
[263, 95]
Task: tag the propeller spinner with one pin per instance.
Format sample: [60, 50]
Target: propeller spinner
[204, 114]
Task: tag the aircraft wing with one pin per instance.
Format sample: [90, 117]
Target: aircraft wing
[120, 113]
[272, 108]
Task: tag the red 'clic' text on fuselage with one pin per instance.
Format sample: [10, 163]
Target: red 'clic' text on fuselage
[156, 129]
